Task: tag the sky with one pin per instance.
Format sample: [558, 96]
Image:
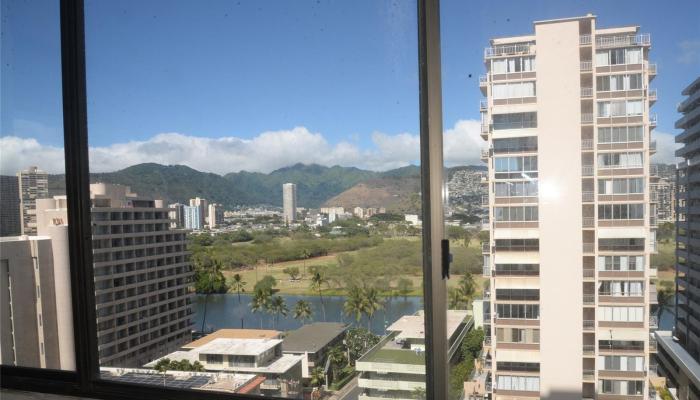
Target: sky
[259, 85]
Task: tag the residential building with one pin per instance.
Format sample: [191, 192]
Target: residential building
[192, 217]
[36, 319]
[663, 191]
[10, 224]
[289, 202]
[679, 351]
[567, 121]
[177, 215]
[33, 184]
[243, 351]
[203, 210]
[333, 210]
[143, 274]
[216, 215]
[395, 367]
[312, 342]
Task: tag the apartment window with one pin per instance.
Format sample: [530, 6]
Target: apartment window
[515, 145]
[518, 294]
[518, 335]
[515, 214]
[612, 83]
[621, 363]
[618, 56]
[621, 186]
[621, 314]
[513, 64]
[629, 388]
[513, 90]
[620, 211]
[519, 383]
[214, 358]
[620, 263]
[621, 345]
[518, 366]
[621, 160]
[515, 121]
[517, 244]
[620, 288]
[621, 134]
[621, 244]
[515, 167]
[517, 269]
[620, 108]
[518, 311]
[516, 189]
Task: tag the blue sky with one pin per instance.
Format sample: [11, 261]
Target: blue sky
[257, 85]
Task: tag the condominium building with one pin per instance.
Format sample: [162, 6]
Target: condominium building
[36, 319]
[216, 215]
[679, 351]
[395, 367]
[177, 215]
[192, 217]
[33, 184]
[203, 205]
[10, 224]
[143, 274]
[567, 121]
[663, 191]
[289, 202]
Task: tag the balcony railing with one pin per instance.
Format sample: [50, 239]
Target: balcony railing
[485, 201]
[652, 94]
[485, 248]
[589, 273]
[588, 349]
[588, 374]
[643, 39]
[586, 144]
[653, 221]
[652, 119]
[588, 247]
[654, 170]
[588, 222]
[651, 69]
[652, 145]
[585, 40]
[586, 65]
[483, 105]
[653, 345]
[484, 128]
[586, 92]
[653, 322]
[512, 49]
[483, 80]
[587, 197]
[588, 299]
[587, 118]
[588, 324]
[487, 339]
[486, 271]
[484, 154]
[587, 170]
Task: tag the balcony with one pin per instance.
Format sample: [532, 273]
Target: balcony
[585, 40]
[486, 271]
[643, 39]
[588, 222]
[588, 273]
[586, 118]
[589, 349]
[508, 50]
[485, 224]
[589, 299]
[587, 170]
[588, 325]
[653, 322]
[652, 120]
[484, 128]
[651, 94]
[483, 80]
[652, 147]
[485, 203]
[586, 66]
[588, 374]
[587, 197]
[654, 170]
[651, 70]
[586, 92]
[485, 248]
[588, 247]
[484, 155]
[483, 105]
[586, 144]
[653, 222]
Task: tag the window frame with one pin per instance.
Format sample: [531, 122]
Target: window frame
[85, 381]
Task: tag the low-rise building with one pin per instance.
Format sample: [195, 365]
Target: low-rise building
[395, 367]
[313, 341]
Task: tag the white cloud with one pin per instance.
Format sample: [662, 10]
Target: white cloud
[265, 152]
[666, 147]
[689, 52]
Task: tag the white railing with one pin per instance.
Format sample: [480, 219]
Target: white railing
[485, 248]
[588, 348]
[588, 324]
[587, 170]
[483, 79]
[586, 144]
[654, 170]
[486, 271]
[586, 65]
[642, 39]
[652, 119]
[653, 321]
[485, 198]
[588, 374]
[586, 92]
[588, 222]
[652, 145]
[507, 50]
[585, 39]
[484, 153]
[588, 299]
[586, 118]
[651, 93]
[651, 69]
[588, 247]
[587, 196]
[484, 128]
[483, 104]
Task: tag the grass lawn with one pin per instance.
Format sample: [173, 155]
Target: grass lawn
[395, 356]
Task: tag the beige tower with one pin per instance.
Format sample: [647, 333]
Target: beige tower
[289, 202]
[566, 118]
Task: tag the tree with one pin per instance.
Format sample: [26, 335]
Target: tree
[305, 255]
[371, 304]
[461, 296]
[318, 377]
[419, 393]
[317, 283]
[236, 283]
[336, 356]
[268, 282]
[293, 272]
[259, 302]
[303, 311]
[354, 305]
[209, 280]
[358, 341]
[405, 287]
[473, 342]
[277, 307]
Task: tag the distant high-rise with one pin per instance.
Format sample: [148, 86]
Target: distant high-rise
[203, 210]
[216, 215]
[192, 217]
[177, 215]
[10, 221]
[289, 202]
[33, 185]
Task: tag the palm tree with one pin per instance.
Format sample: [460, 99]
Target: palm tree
[305, 254]
[209, 282]
[318, 377]
[236, 283]
[336, 356]
[277, 306]
[353, 303]
[371, 304]
[303, 311]
[317, 282]
[259, 302]
[462, 295]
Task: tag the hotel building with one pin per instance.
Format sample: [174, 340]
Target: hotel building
[566, 117]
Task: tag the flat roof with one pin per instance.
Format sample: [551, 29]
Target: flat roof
[239, 347]
[230, 382]
[234, 334]
[413, 326]
[690, 366]
[312, 337]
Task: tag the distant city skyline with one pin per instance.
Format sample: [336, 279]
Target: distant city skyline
[271, 119]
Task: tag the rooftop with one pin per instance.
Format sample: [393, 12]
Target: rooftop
[312, 337]
[234, 334]
[227, 382]
[413, 326]
[239, 347]
[690, 366]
